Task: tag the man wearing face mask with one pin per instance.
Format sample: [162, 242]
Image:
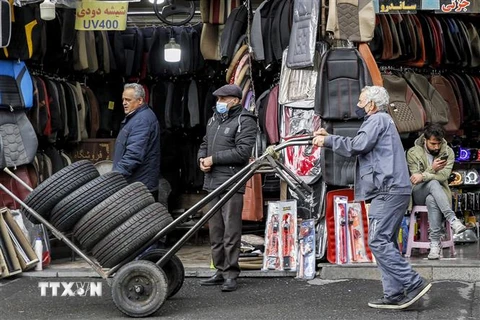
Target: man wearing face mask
[137, 148]
[225, 150]
[430, 162]
[381, 178]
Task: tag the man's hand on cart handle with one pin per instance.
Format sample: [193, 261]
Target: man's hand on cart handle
[318, 141]
[319, 137]
[320, 132]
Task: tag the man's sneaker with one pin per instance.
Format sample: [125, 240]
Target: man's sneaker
[458, 226]
[384, 303]
[435, 251]
[413, 296]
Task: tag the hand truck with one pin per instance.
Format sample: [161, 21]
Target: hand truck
[139, 287]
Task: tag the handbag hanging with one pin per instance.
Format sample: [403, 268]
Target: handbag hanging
[253, 196]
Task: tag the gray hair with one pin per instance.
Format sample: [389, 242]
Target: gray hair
[137, 88]
[378, 95]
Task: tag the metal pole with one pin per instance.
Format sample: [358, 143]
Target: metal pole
[257, 163]
[294, 176]
[210, 196]
[57, 234]
[286, 179]
[205, 218]
[14, 176]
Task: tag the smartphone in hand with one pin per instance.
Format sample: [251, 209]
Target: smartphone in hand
[444, 157]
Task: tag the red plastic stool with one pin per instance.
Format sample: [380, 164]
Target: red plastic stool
[424, 243]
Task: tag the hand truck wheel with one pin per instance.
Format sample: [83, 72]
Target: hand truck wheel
[139, 288]
[173, 269]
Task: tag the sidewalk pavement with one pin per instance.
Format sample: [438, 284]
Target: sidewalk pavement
[196, 260]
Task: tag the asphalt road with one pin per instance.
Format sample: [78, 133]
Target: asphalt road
[256, 298]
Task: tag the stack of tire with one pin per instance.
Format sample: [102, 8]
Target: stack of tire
[108, 217]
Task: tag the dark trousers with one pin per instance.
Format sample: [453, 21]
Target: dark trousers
[225, 228]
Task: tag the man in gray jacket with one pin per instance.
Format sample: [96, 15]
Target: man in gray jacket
[381, 178]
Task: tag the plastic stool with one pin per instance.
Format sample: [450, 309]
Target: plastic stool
[424, 243]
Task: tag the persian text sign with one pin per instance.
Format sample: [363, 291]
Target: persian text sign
[100, 15]
[457, 6]
[399, 6]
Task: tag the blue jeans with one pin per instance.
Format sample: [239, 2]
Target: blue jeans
[432, 195]
[385, 216]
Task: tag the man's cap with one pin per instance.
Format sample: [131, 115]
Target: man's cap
[229, 90]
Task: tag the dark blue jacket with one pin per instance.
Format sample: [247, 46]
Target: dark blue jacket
[381, 166]
[137, 148]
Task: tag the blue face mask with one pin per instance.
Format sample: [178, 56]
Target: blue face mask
[360, 112]
[221, 107]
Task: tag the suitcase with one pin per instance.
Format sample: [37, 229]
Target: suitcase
[338, 170]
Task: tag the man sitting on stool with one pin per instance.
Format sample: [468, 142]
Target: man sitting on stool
[430, 163]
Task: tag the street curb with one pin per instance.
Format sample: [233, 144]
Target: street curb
[467, 273]
[189, 273]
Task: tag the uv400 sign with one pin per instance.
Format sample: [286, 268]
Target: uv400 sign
[98, 15]
[100, 24]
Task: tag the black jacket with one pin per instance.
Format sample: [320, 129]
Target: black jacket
[229, 141]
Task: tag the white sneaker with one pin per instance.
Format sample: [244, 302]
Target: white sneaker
[435, 251]
[458, 226]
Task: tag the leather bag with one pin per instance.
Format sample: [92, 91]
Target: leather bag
[253, 199]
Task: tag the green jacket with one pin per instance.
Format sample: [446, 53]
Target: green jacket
[418, 163]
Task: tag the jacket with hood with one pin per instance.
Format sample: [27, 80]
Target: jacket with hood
[418, 163]
[381, 167]
[229, 140]
[137, 148]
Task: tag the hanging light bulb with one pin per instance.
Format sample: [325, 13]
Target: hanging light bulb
[158, 1]
[173, 52]
[47, 10]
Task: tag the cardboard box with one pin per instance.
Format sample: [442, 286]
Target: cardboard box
[25, 245]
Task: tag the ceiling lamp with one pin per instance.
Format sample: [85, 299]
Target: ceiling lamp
[47, 10]
[173, 52]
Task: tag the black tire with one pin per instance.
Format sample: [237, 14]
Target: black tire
[131, 235]
[173, 269]
[44, 197]
[139, 289]
[111, 213]
[74, 206]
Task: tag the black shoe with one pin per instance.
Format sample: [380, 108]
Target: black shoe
[412, 296]
[384, 303]
[216, 280]
[229, 285]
